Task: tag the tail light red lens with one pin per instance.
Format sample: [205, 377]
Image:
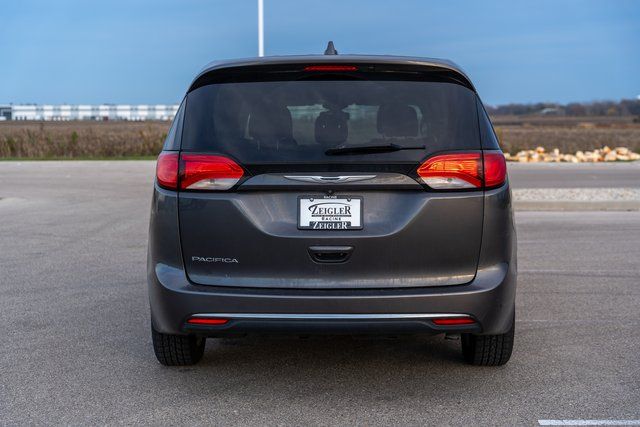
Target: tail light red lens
[452, 171]
[495, 169]
[331, 68]
[457, 171]
[206, 172]
[453, 321]
[167, 170]
[207, 321]
[196, 171]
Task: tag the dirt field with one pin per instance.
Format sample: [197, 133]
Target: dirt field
[569, 134]
[88, 139]
[81, 139]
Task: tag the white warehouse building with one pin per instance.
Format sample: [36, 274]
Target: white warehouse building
[88, 112]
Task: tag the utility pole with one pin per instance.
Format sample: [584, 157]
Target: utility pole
[260, 27]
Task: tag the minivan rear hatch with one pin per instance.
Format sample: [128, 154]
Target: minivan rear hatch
[326, 193]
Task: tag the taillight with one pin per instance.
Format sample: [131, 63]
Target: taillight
[457, 171]
[495, 169]
[206, 172]
[167, 170]
[452, 171]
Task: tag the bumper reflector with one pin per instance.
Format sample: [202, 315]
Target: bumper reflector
[452, 321]
[208, 321]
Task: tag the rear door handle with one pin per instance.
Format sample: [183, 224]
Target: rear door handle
[330, 254]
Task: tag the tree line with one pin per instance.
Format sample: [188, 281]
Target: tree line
[626, 107]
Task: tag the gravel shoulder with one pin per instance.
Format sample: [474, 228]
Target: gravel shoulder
[577, 199]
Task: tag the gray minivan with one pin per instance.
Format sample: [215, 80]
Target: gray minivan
[332, 194]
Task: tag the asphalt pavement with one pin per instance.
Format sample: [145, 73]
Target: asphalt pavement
[75, 346]
[575, 186]
[575, 175]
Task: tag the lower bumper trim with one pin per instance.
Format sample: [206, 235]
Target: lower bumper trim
[330, 316]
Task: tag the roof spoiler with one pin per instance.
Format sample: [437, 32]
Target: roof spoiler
[240, 69]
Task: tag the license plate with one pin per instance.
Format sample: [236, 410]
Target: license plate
[329, 213]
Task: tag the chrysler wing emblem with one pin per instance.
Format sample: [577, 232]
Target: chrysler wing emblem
[329, 179]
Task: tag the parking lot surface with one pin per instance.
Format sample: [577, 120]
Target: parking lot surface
[76, 347]
[575, 175]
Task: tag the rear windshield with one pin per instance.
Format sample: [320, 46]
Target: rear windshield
[301, 121]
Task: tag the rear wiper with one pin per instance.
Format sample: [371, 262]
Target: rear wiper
[370, 149]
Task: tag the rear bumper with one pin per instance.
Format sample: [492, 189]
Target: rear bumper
[331, 323]
[489, 299]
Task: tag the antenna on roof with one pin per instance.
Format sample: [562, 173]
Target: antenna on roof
[330, 50]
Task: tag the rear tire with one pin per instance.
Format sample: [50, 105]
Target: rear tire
[177, 350]
[488, 350]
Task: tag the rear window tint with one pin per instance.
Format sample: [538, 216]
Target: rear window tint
[297, 121]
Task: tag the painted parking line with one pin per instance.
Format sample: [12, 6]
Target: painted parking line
[589, 422]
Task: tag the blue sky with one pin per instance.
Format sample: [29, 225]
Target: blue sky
[130, 51]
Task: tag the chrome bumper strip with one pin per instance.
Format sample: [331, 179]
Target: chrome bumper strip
[329, 316]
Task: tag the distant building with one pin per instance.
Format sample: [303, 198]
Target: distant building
[5, 112]
[88, 112]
